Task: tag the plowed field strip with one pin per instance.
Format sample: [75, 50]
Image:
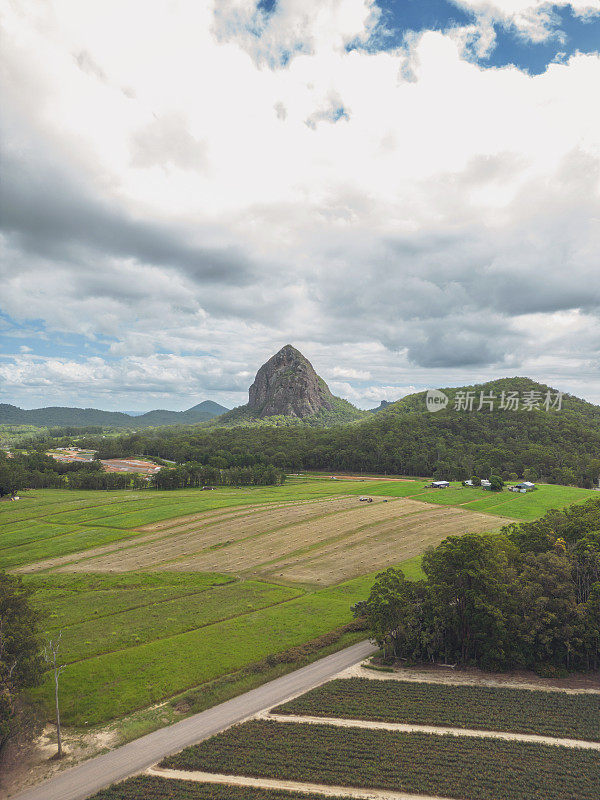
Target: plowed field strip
[411, 520]
[218, 527]
[293, 514]
[245, 555]
[200, 516]
[294, 555]
[211, 517]
[388, 544]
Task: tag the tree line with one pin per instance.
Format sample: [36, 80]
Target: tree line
[526, 599]
[36, 470]
[559, 448]
[194, 475]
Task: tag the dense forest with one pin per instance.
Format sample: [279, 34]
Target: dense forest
[527, 599]
[556, 445]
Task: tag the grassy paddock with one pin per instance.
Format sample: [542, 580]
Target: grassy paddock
[66, 599]
[575, 716]
[151, 787]
[102, 687]
[450, 766]
[507, 504]
[157, 615]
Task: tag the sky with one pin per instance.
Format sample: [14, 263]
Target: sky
[407, 191]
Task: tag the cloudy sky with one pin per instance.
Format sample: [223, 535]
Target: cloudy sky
[406, 190]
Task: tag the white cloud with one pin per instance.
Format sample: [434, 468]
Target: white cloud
[172, 198]
[533, 19]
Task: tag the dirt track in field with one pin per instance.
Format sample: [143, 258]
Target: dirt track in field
[318, 542]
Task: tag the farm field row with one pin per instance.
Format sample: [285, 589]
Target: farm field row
[132, 509]
[151, 787]
[65, 600]
[128, 509]
[574, 716]
[431, 764]
[56, 523]
[173, 539]
[53, 523]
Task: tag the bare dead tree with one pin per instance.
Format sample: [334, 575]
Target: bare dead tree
[50, 656]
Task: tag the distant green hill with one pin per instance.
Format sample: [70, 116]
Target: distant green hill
[496, 391]
[61, 416]
[559, 445]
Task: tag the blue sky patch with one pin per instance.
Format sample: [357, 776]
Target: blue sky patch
[570, 33]
[32, 337]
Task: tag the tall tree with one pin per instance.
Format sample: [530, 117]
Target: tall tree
[21, 663]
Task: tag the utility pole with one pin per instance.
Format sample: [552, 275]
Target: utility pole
[50, 653]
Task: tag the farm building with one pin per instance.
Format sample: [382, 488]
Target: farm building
[440, 484]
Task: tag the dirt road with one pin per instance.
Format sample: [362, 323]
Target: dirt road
[82, 781]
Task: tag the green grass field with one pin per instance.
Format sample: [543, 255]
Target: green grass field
[572, 716]
[167, 663]
[157, 614]
[506, 504]
[133, 639]
[447, 766]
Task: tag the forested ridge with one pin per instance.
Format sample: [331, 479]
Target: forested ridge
[556, 445]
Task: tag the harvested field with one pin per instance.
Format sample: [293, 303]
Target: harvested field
[379, 545]
[319, 542]
[574, 716]
[173, 538]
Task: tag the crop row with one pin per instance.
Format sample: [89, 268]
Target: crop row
[574, 716]
[451, 766]
[151, 787]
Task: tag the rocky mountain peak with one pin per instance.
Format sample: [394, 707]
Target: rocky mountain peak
[287, 384]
